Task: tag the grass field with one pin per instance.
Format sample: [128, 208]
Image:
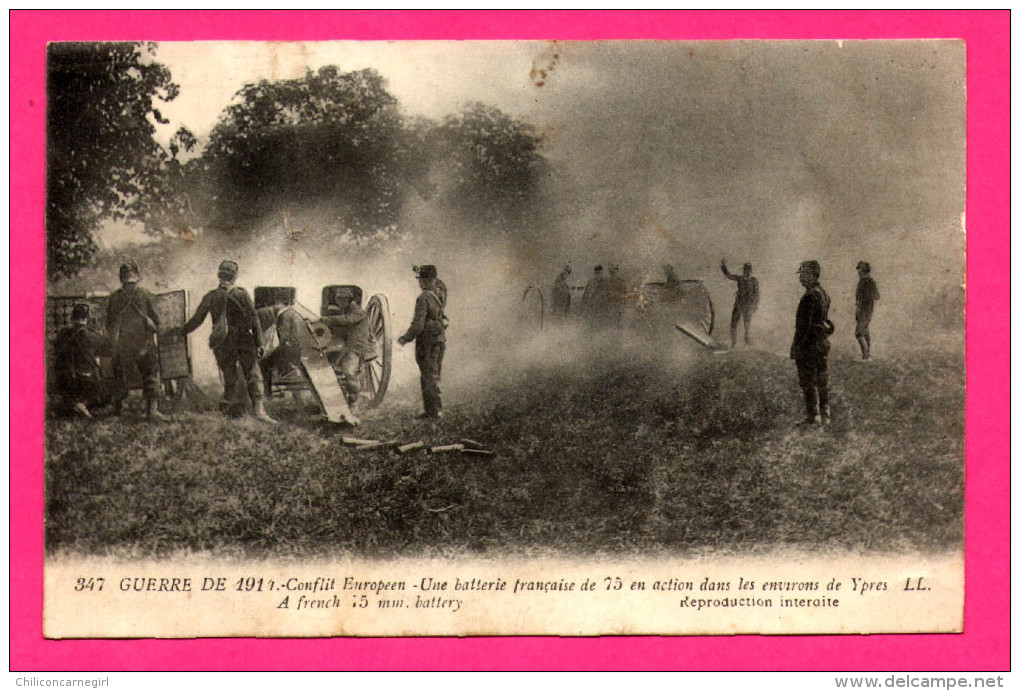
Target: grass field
[624, 455]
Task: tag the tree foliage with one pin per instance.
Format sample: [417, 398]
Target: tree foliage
[102, 159]
[329, 139]
[495, 164]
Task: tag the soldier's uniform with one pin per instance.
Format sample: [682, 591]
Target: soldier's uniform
[561, 294]
[349, 324]
[595, 300]
[616, 295]
[78, 375]
[810, 349]
[131, 321]
[867, 294]
[744, 305]
[239, 342]
[428, 331]
[286, 323]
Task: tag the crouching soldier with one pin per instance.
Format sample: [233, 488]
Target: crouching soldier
[78, 375]
[236, 338]
[428, 331]
[283, 320]
[810, 349]
[132, 323]
[347, 321]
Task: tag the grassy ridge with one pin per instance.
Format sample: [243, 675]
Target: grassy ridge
[621, 456]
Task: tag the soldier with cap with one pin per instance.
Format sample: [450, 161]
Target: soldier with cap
[78, 376]
[745, 304]
[428, 331]
[132, 323]
[867, 294]
[347, 321]
[810, 349]
[236, 338]
[561, 294]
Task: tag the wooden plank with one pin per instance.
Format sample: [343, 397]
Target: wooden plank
[700, 338]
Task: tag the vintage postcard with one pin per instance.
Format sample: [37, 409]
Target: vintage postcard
[486, 338]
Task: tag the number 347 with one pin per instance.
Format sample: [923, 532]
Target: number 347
[95, 584]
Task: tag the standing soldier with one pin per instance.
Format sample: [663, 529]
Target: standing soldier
[236, 337]
[346, 320]
[867, 294]
[561, 294]
[745, 304]
[810, 348]
[78, 375]
[428, 331]
[616, 295]
[132, 323]
[594, 298]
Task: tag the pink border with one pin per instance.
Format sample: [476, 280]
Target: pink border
[983, 646]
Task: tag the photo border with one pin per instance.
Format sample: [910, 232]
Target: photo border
[984, 645]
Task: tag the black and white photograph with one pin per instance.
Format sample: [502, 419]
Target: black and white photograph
[404, 338]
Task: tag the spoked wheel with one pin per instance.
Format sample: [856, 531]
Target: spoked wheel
[532, 310]
[375, 375]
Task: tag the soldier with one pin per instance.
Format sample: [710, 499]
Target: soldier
[867, 294]
[346, 320]
[561, 294]
[78, 375]
[236, 337]
[745, 304]
[616, 294]
[440, 286]
[594, 300]
[132, 322]
[810, 349]
[428, 331]
[286, 356]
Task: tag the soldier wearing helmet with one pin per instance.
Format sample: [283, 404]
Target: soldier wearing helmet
[810, 349]
[132, 323]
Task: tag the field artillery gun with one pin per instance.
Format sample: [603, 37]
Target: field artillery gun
[316, 364]
[680, 305]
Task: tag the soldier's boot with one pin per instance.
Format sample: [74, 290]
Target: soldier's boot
[152, 411]
[260, 411]
[864, 347]
[118, 407]
[811, 406]
[823, 403]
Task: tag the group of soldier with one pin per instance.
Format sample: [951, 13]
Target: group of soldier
[603, 295]
[244, 357]
[237, 340]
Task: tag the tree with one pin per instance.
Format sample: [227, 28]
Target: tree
[495, 165]
[329, 140]
[102, 159]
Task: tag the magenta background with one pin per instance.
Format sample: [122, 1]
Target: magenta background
[983, 646]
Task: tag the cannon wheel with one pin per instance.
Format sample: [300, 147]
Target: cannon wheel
[375, 375]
